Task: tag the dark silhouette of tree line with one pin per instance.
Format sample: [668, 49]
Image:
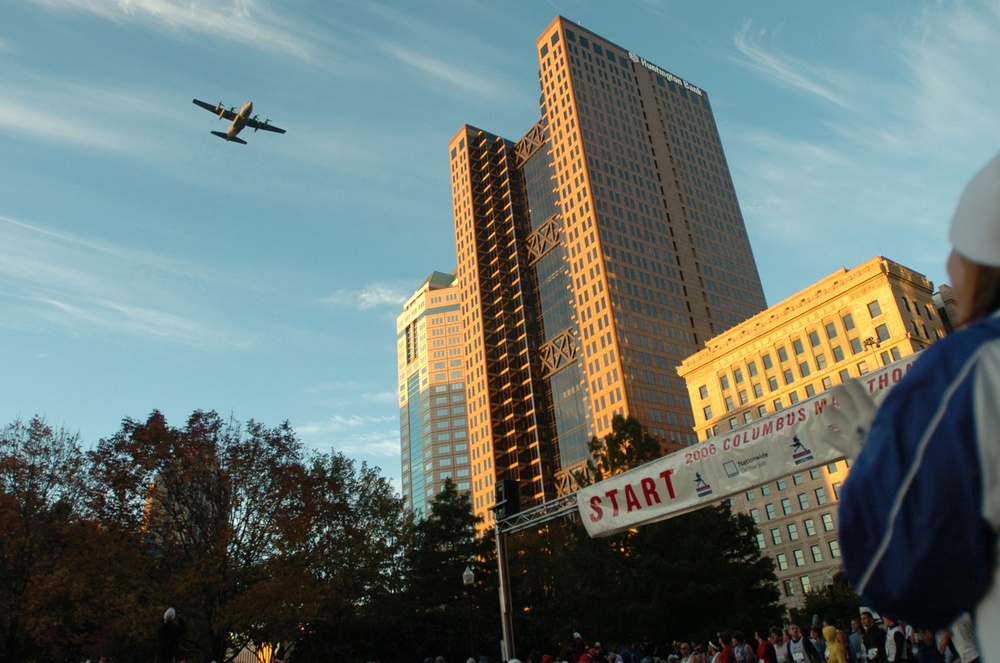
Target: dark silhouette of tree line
[255, 540]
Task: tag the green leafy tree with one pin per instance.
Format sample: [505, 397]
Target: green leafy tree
[696, 573]
[356, 548]
[413, 602]
[445, 541]
[358, 527]
[710, 572]
[548, 586]
[691, 575]
[444, 544]
[625, 447]
[837, 600]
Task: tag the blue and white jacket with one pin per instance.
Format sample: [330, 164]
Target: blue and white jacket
[920, 509]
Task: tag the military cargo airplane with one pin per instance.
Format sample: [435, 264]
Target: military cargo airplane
[239, 120]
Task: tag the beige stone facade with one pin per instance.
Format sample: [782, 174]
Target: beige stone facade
[842, 327]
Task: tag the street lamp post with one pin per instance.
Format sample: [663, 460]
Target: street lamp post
[468, 579]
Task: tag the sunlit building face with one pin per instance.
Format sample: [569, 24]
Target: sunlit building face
[593, 254]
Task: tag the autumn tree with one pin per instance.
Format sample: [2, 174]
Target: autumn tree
[250, 537]
[358, 533]
[357, 529]
[218, 506]
[40, 482]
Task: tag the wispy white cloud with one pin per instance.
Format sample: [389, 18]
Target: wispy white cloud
[249, 22]
[356, 392]
[462, 80]
[785, 69]
[945, 102]
[952, 98]
[789, 177]
[373, 438]
[376, 295]
[50, 278]
[41, 110]
[879, 165]
[427, 47]
[359, 436]
[380, 397]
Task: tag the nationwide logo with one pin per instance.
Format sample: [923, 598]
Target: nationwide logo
[799, 452]
[701, 486]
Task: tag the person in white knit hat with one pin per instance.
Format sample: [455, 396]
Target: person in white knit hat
[920, 509]
[168, 637]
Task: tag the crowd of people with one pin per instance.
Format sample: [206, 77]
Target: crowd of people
[866, 640]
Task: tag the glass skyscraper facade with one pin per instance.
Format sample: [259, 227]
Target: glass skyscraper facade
[433, 428]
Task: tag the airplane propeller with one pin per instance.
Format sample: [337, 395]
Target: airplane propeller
[241, 119]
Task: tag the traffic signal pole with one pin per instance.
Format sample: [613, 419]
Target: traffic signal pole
[504, 525]
[506, 615]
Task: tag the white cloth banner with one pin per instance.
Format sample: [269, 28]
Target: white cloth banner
[748, 456]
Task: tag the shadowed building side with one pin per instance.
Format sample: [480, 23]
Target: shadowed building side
[508, 406]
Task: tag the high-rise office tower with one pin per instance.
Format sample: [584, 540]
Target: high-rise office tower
[593, 255]
[433, 433]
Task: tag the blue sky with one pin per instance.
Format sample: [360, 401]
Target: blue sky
[146, 264]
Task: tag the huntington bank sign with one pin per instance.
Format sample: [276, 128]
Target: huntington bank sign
[719, 467]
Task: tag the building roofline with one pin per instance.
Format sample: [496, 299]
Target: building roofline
[834, 285]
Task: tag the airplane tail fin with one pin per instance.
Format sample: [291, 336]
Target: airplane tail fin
[234, 139]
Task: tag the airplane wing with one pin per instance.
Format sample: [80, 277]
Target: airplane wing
[218, 109]
[265, 125]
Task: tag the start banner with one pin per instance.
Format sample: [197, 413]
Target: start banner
[762, 451]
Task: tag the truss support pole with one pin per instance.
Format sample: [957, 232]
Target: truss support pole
[506, 616]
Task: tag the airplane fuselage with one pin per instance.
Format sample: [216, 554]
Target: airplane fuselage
[239, 121]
